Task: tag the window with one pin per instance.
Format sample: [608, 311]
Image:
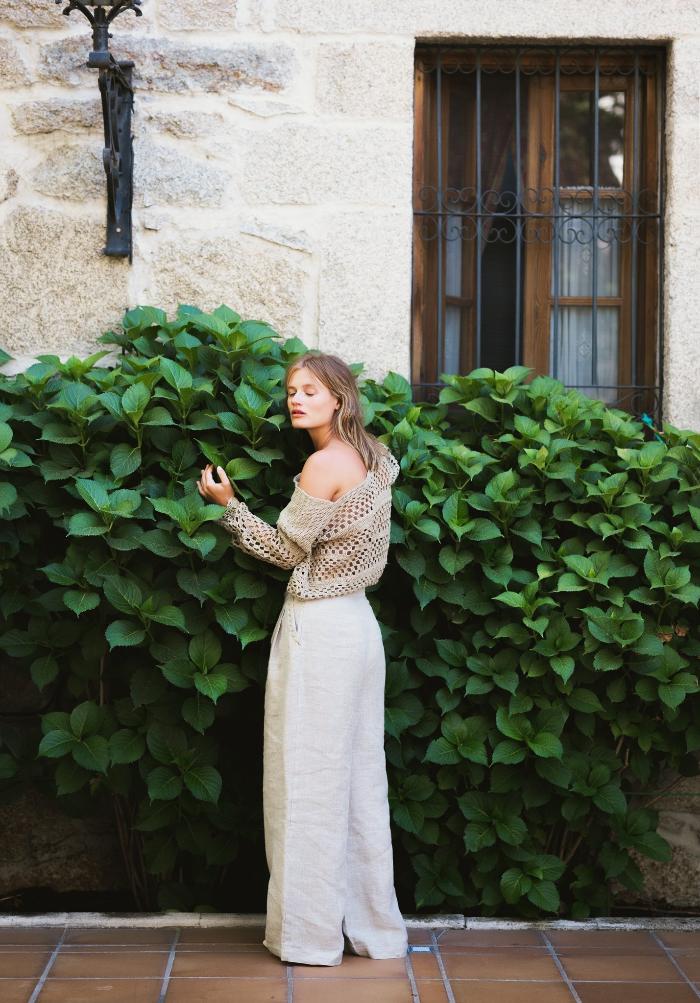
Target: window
[538, 216]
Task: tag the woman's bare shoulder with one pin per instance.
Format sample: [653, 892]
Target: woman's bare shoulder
[334, 470]
[319, 475]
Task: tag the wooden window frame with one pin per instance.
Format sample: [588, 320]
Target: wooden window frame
[540, 63]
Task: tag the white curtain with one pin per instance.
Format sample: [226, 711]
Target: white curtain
[572, 355]
[453, 287]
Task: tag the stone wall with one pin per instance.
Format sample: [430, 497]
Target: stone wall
[272, 172]
[273, 161]
[675, 884]
[273, 143]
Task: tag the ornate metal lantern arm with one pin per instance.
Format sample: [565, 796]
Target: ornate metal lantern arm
[117, 102]
[100, 21]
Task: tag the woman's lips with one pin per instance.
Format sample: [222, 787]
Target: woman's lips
[297, 412]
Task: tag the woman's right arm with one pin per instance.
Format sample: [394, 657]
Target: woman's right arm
[298, 525]
[255, 536]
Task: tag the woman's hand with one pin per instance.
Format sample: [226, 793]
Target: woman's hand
[221, 493]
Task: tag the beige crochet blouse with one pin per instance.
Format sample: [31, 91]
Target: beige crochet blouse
[333, 546]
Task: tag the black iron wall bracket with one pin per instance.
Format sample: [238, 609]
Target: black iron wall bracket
[117, 104]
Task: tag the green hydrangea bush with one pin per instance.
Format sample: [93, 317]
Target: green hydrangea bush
[539, 613]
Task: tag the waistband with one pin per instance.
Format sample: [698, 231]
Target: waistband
[357, 595]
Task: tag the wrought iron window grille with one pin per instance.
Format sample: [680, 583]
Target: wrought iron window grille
[560, 149]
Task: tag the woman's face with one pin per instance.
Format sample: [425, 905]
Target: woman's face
[307, 395]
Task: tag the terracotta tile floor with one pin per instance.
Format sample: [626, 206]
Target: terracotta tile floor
[70, 965]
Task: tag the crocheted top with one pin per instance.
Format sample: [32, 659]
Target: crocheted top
[334, 546]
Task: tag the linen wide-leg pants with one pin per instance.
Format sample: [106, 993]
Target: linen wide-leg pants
[325, 790]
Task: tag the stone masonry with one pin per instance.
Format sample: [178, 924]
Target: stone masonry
[283, 129]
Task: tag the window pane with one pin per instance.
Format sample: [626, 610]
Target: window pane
[453, 336]
[573, 362]
[453, 287]
[499, 224]
[576, 131]
[453, 255]
[458, 89]
[487, 226]
[577, 232]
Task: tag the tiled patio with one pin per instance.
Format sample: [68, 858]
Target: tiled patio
[77, 965]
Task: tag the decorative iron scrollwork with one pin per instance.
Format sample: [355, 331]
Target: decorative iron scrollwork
[540, 59]
[117, 96]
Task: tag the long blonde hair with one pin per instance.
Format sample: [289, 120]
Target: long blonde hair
[346, 422]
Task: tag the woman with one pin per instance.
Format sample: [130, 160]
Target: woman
[325, 807]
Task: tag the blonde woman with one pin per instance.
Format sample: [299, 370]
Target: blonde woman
[325, 806]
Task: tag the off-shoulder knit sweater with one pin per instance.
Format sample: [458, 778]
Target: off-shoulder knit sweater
[334, 546]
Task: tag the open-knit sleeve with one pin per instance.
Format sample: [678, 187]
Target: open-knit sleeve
[394, 467]
[290, 542]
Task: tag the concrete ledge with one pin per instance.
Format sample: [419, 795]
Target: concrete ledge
[451, 920]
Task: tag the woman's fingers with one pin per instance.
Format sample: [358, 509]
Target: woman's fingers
[201, 483]
[207, 486]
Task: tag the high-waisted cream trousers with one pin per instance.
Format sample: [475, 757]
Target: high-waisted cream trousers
[326, 811]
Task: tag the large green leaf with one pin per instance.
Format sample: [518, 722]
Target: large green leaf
[86, 524]
[92, 753]
[177, 377]
[93, 493]
[164, 784]
[123, 594]
[124, 633]
[546, 745]
[544, 895]
[124, 460]
[5, 436]
[212, 685]
[126, 746]
[80, 602]
[198, 713]
[204, 782]
[85, 719]
[57, 743]
[205, 650]
[134, 401]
